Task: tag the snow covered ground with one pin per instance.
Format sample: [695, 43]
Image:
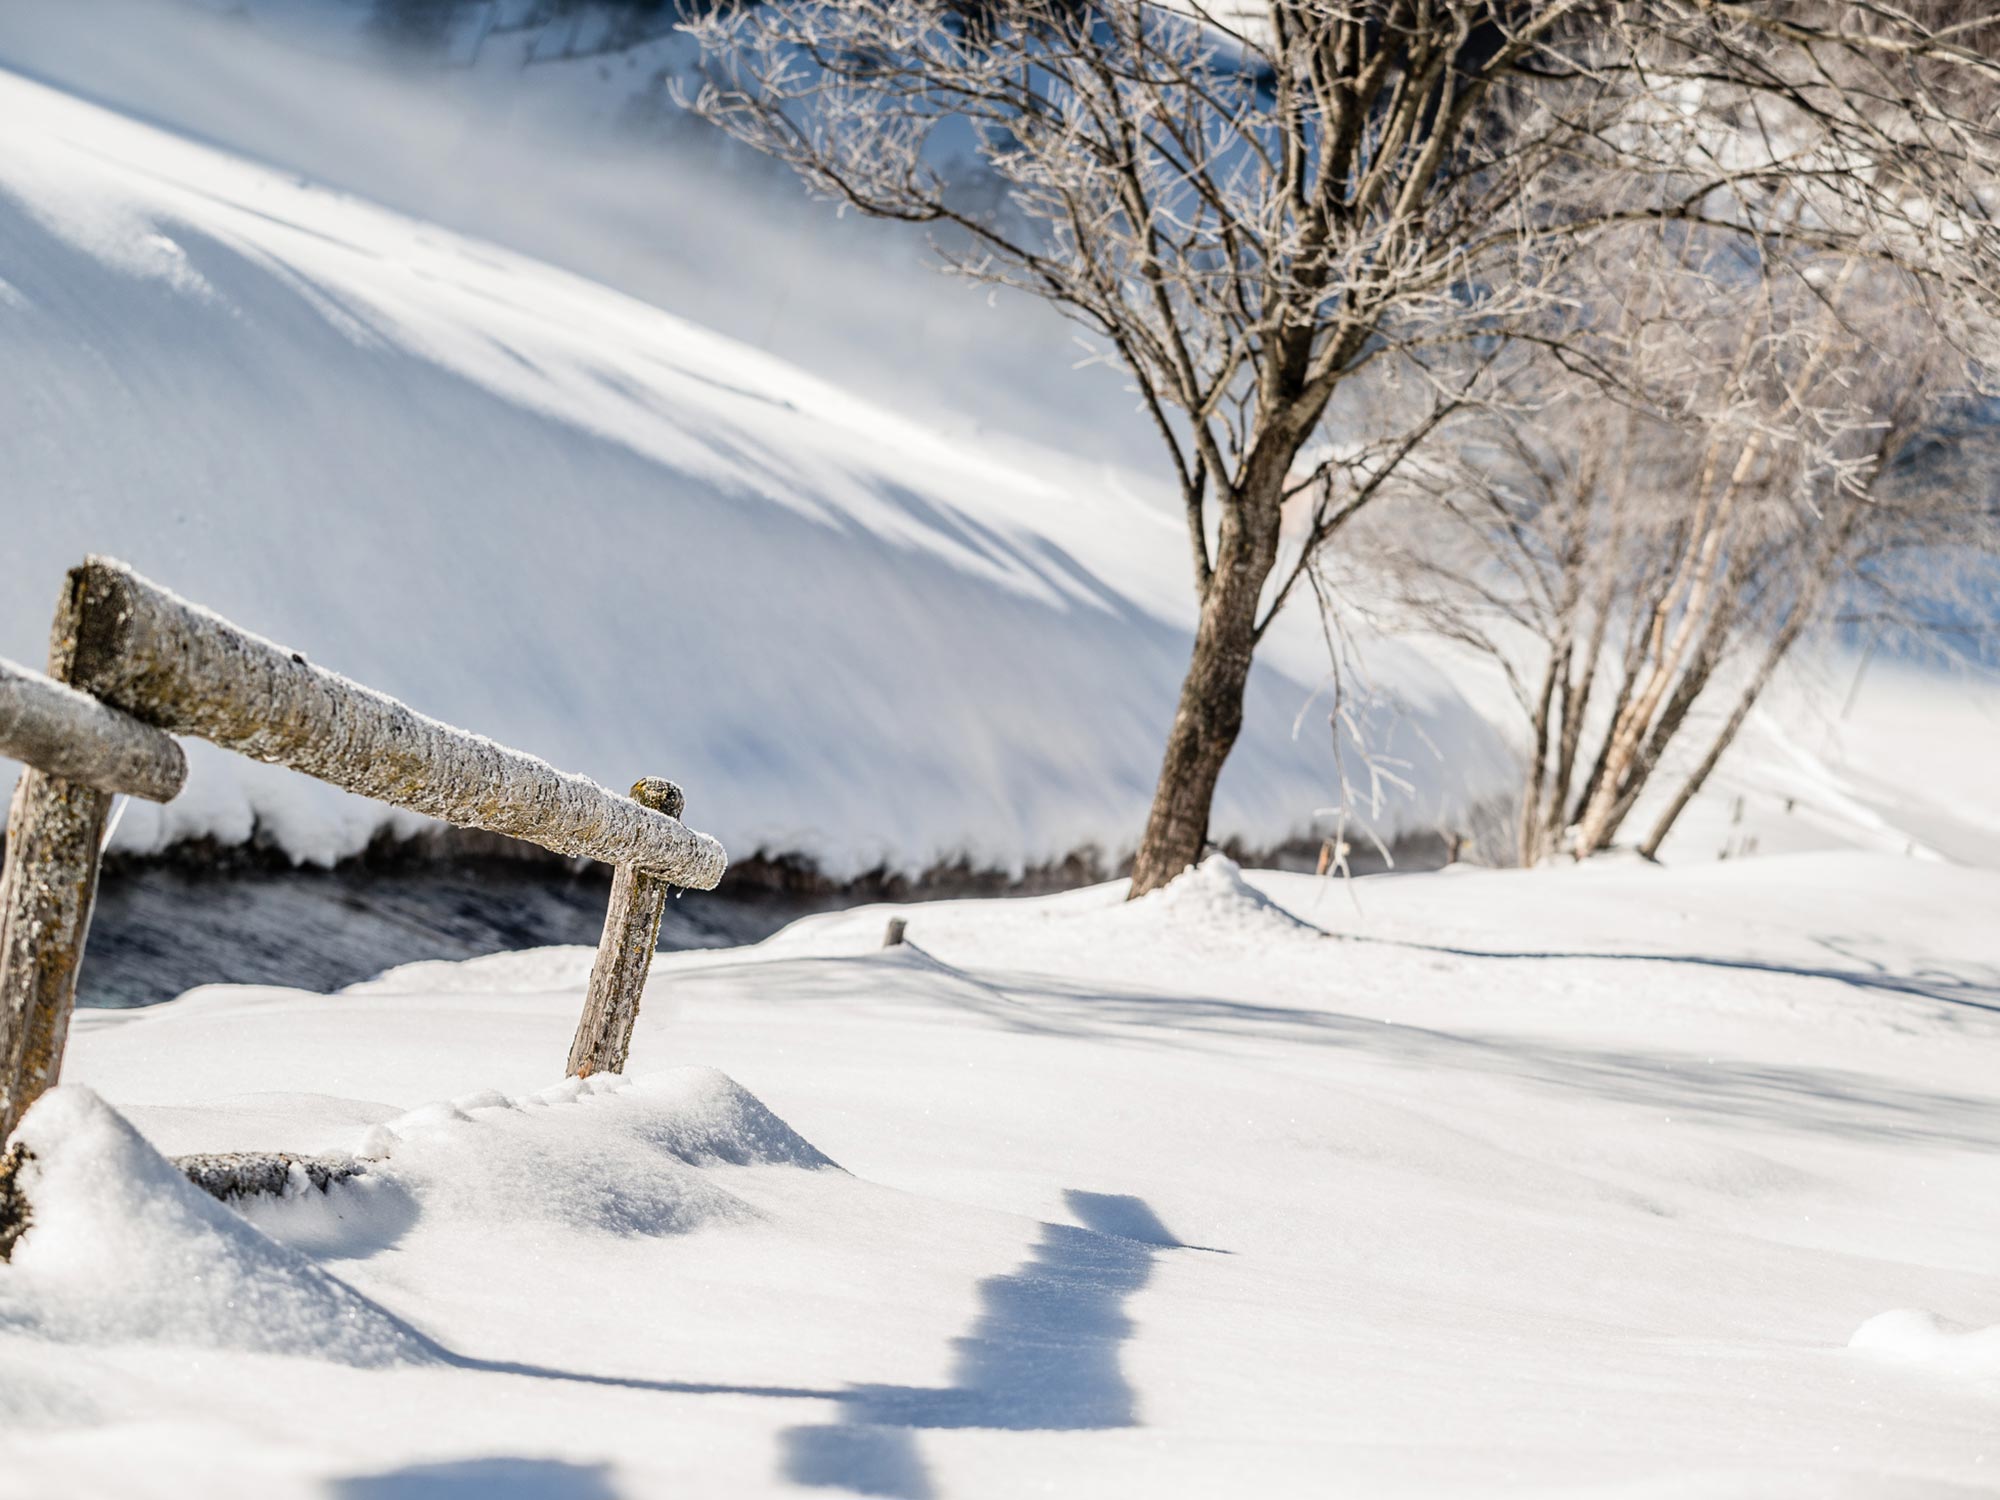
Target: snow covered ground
[1567, 1182]
[1607, 1181]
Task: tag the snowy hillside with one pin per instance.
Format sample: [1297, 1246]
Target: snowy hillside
[356, 431]
[527, 503]
[1565, 1183]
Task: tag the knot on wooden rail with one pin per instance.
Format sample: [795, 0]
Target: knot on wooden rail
[659, 794]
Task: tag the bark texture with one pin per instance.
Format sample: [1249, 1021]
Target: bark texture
[223, 1176]
[1209, 715]
[624, 954]
[184, 669]
[14, 1212]
[54, 831]
[234, 1174]
[55, 728]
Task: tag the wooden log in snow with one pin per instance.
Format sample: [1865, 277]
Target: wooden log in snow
[184, 669]
[624, 954]
[55, 728]
[226, 1176]
[246, 1174]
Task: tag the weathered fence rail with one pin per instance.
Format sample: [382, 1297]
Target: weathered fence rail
[130, 664]
[70, 734]
[184, 669]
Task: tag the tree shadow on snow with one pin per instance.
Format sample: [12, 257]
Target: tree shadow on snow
[1818, 1100]
[481, 1479]
[1042, 1356]
[1976, 989]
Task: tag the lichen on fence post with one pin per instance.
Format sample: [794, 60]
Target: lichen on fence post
[624, 953]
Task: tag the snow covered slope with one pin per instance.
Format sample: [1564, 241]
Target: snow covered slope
[529, 504]
[1568, 1183]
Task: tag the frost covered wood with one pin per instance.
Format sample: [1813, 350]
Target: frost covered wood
[224, 1176]
[624, 953]
[54, 829]
[183, 668]
[46, 724]
[245, 1174]
[172, 664]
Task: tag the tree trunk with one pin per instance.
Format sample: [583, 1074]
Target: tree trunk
[1530, 843]
[1576, 703]
[1210, 714]
[1774, 654]
[1601, 766]
[1639, 771]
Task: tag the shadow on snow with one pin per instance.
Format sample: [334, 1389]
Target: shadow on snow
[1042, 1356]
[1821, 1100]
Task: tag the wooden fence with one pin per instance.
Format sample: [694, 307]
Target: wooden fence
[130, 665]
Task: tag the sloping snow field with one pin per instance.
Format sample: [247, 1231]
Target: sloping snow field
[524, 502]
[917, 605]
[1569, 1183]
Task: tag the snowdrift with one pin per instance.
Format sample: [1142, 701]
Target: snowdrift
[1574, 1182]
[122, 1249]
[1923, 1338]
[552, 513]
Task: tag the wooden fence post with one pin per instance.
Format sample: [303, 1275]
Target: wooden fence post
[53, 832]
[624, 953]
[55, 829]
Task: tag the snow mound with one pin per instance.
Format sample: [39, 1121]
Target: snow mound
[1213, 898]
[1916, 1336]
[606, 1154]
[706, 1118]
[121, 1248]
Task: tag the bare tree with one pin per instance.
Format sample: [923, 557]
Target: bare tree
[1253, 206]
[1773, 454]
